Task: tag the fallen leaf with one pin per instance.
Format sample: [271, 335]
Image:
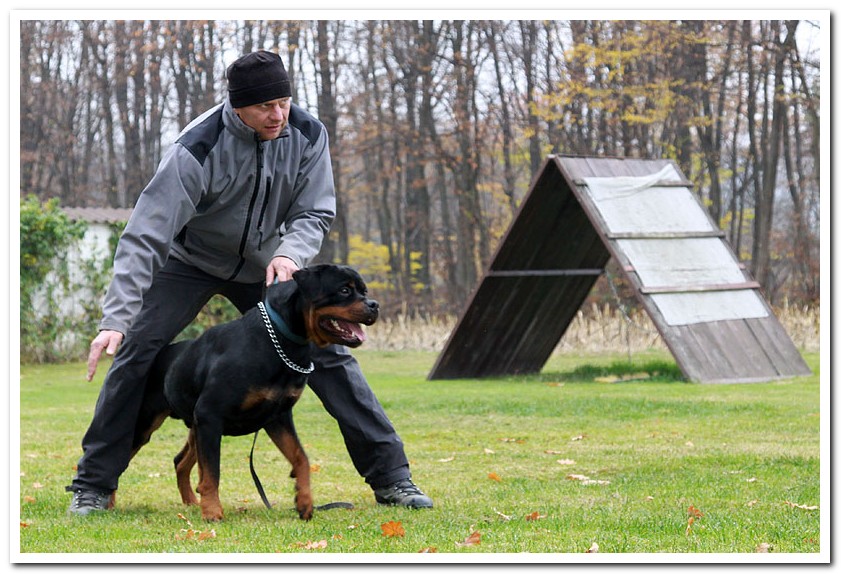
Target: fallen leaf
[594, 549]
[553, 451]
[451, 459]
[207, 534]
[474, 539]
[24, 524]
[566, 461]
[37, 485]
[534, 516]
[154, 475]
[29, 499]
[392, 528]
[494, 476]
[554, 384]
[315, 467]
[501, 515]
[427, 550]
[649, 498]
[801, 506]
[753, 503]
[752, 479]
[489, 451]
[694, 512]
[690, 444]
[517, 440]
[315, 545]
[579, 437]
[763, 548]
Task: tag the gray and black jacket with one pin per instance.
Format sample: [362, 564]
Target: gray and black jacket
[226, 203]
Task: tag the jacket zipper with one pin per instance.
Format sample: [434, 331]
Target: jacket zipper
[244, 241]
[262, 214]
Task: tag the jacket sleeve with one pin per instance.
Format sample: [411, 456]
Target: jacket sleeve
[314, 206]
[163, 208]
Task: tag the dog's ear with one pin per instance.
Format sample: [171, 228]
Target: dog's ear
[307, 280]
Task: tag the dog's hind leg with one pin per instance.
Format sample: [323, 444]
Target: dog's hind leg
[184, 463]
[282, 433]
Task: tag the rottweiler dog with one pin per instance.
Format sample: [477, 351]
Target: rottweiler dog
[246, 375]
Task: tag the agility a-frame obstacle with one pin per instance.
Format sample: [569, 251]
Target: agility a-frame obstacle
[580, 212]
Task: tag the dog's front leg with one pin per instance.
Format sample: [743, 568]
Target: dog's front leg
[283, 435]
[208, 429]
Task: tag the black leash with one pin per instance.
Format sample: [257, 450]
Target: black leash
[257, 482]
[262, 492]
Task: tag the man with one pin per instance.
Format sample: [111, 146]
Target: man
[244, 197]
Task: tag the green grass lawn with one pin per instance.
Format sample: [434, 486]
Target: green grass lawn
[629, 458]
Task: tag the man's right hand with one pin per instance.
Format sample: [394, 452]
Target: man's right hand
[107, 341]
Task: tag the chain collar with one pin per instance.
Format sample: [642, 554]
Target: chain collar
[281, 354]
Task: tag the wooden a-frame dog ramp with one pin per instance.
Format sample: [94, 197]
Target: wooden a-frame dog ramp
[580, 212]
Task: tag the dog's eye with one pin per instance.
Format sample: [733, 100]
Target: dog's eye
[345, 291]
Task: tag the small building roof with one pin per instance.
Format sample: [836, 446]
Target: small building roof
[98, 214]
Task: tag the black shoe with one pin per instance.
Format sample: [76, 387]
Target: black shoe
[403, 493]
[86, 501]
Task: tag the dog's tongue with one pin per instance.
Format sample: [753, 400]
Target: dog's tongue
[355, 329]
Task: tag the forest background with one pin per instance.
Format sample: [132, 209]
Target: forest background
[438, 126]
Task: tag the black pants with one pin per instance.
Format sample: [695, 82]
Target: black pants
[176, 296]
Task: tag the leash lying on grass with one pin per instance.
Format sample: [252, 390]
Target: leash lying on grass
[262, 492]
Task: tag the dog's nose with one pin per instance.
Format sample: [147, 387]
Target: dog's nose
[373, 306]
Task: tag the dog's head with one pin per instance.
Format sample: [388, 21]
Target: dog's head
[334, 304]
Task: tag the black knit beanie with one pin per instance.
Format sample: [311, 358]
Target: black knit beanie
[257, 77]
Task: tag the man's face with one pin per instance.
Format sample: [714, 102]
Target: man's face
[268, 118]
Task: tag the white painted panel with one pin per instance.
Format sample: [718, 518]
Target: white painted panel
[636, 204]
[682, 262]
[690, 308]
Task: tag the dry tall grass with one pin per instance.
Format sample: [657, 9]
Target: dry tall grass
[594, 329]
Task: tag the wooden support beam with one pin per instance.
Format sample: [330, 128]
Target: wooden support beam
[545, 273]
[699, 288]
[667, 235]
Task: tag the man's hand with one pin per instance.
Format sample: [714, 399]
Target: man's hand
[107, 341]
[280, 268]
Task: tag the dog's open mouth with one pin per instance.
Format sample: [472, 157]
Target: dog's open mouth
[350, 333]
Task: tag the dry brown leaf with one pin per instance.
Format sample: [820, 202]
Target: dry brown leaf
[207, 534]
[475, 539]
[579, 437]
[550, 451]
[594, 549]
[763, 548]
[315, 467]
[37, 485]
[24, 524]
[450, 459]
[494, 476]
[694, 512]
[489, 451]
[428, 550]
[516, 440]
[392, 528]
[534, 516]
[566, 461]
[315, 545]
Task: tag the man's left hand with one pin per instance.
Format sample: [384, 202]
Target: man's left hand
[280, 268]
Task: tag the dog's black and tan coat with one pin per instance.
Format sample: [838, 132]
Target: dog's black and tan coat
[231, 380]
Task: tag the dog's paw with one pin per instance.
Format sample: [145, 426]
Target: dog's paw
[303, 504]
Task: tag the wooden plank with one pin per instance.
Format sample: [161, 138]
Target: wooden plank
[779, 347]
[544, 272]
[659, 290]
[671, 183]
[666, 235]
